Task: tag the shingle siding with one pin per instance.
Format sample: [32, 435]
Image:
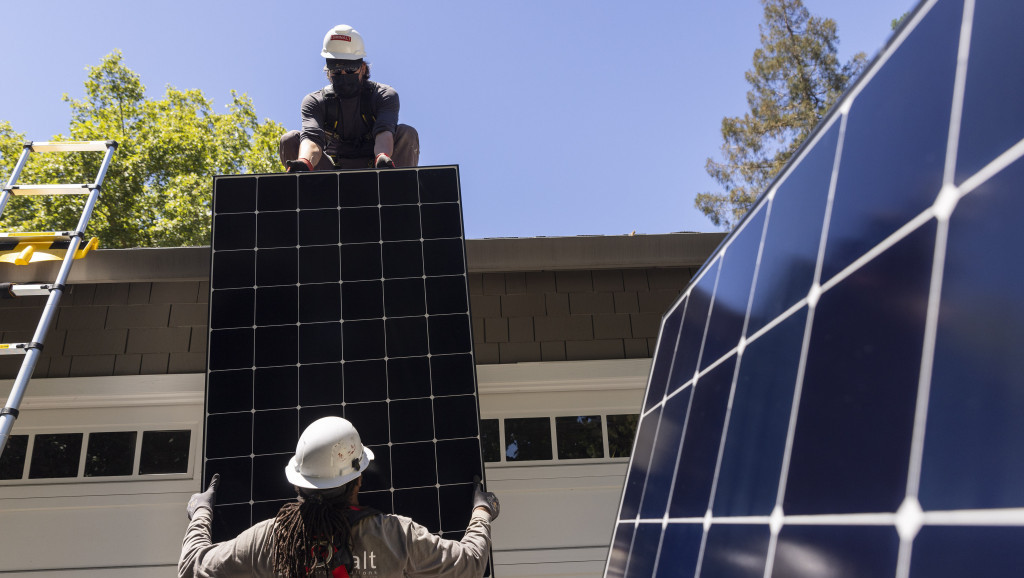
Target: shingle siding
[189, 314]
[95, 341]
[111, 294]
[161, 327]
[485, 305]
[599, 314]
[85, 317]
[518, 352]
[125, 316]
[522, 305]
[166, 292]
[113, 329]
[607, 281]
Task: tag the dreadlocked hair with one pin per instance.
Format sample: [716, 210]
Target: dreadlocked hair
[302, 525]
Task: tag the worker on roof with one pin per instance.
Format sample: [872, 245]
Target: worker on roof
[352, 123]
[325, 533]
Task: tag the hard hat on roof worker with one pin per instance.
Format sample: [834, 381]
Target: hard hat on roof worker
[343, 43]
[325, 142]
[329, 455]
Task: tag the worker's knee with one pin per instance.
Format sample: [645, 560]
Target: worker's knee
[288, 146]
[407, 146]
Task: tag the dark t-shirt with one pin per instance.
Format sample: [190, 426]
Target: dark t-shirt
[352, 137]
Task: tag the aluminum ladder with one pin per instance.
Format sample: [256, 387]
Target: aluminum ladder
[73, 240]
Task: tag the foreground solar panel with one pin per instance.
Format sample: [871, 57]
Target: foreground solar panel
[342, 293]
[839, 392]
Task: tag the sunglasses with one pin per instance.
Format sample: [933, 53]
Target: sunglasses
[344, 67]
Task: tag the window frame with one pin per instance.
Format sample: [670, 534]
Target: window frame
[556, 459]
[195, 434]
[561, 389]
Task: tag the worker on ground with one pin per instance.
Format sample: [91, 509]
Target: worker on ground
[352, 123]
[325, 533]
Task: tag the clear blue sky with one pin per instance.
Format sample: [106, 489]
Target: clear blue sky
[565, 117]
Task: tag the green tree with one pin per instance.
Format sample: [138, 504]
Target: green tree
[158, 189]
[796, 77]
[897, 22]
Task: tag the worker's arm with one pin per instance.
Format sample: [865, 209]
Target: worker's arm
[247, 555]
[387, 106]
[431, 555]
[310, 151]
[383, 148]
[384, 143]
[312, 138]
[197, 540]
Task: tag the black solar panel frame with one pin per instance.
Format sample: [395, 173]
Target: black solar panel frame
[273, 409]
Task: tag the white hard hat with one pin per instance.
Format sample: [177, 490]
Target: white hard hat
[329, 455]
[343, 42]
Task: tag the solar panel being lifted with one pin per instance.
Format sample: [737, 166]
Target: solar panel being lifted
[342, 293]
[839, 390]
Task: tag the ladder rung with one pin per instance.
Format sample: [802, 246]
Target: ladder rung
[50, 189]
[70, 146]
[13, 348]
[29, 289]
[35, 236]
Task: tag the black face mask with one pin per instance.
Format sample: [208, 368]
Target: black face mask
[346, 85]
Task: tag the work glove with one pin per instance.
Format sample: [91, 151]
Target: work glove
[298, 166]
[484, 499]
[383, 161]
[204, 500]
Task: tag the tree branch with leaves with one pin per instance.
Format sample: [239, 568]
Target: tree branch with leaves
[158, 190]
[795, 79]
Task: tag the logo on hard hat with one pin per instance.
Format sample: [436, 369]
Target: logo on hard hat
[341, 37]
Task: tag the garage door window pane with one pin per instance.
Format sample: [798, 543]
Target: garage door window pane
[12, 461]
[527, 439]
[489, 440]
[621, 431]
[579, 437]
[110, 454]
[55, 456]
[164, 452]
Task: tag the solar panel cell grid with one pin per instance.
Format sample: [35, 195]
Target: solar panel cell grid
[662, 364]
[736, 550]
[664, 454]
[838, 391]
[976, 397]
[732, 292]
[342, 294]
[967, 551]
[792, 235]
[755, 442]
[887, 177]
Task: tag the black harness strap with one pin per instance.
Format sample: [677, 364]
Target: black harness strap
[356, 516]
[366, 111]
[336, 124]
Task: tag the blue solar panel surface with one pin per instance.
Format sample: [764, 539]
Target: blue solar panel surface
[342, 293]
[839, 390]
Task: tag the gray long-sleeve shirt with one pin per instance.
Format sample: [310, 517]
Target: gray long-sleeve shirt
[347, 139]
[385, 546]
